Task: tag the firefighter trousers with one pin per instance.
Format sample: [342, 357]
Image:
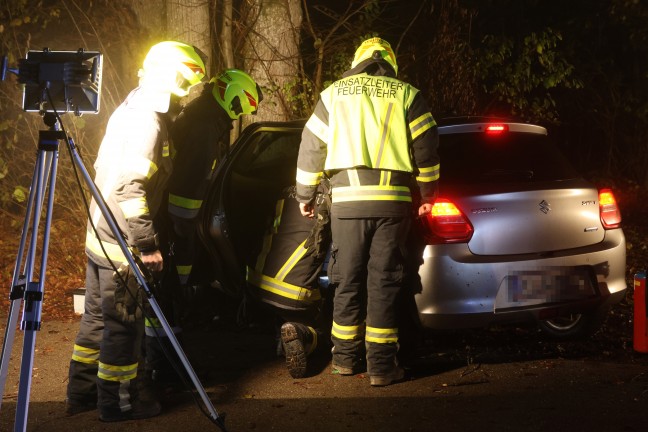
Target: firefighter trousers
[369, 261]
[106, 351]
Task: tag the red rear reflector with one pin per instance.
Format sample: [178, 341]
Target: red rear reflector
[446, 224]
[495, 129]
[609, 210]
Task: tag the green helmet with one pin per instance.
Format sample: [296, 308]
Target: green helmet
[236, 92]
[173, 67]
[368, 49]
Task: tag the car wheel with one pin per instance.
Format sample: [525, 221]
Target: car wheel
[573, 326]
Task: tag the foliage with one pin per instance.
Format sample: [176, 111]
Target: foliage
[523, 72]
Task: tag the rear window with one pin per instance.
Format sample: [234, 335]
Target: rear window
[469, 158]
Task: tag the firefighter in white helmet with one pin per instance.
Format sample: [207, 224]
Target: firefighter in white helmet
[372, 135]
[132, 170]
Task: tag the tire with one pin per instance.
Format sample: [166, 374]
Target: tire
[573, 326]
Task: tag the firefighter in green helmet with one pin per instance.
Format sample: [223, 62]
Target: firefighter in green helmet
[201, 140]
[373, 136]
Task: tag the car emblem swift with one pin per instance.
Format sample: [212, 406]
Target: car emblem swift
[545, 207]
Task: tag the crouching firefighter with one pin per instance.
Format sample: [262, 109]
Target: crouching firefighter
[285, 276]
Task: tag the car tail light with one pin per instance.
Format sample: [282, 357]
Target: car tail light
[447, 224]
[496, 129]
[609, 210]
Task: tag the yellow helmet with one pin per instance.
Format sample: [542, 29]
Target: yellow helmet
[173, 67]
[236, 92]
[368, 48]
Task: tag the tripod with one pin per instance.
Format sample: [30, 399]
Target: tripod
[30, 290]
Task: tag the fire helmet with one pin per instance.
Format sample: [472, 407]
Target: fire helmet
[173, 67]
[236, 92]
[375, 48]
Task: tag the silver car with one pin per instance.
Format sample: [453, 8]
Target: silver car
[515, 236]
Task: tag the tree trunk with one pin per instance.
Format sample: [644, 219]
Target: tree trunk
[271, 54]
[186, 21]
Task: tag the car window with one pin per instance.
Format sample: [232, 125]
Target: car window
[468, 158]
[271, 155]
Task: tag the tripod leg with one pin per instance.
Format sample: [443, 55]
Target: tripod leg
[17, 285]
[32, 304]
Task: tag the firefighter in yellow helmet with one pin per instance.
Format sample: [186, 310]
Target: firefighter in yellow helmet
[201, 140]
[374, 137]
[132, 169]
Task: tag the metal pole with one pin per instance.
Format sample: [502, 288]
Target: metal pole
[17, 289]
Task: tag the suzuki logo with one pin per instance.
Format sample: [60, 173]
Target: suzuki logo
[545, 207]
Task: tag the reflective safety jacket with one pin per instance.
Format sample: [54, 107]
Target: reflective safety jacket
[370, 134]
[201, 140]
[285, 272]
[132, 169]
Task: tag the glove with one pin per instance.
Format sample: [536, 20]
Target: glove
[129, 295]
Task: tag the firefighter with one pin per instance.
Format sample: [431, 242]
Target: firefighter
[284, 274]
[201, 139]
[370, 133]
[132, 169]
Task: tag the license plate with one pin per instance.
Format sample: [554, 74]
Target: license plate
[545, 285]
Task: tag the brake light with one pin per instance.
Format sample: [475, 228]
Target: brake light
[496, 129]
[447, 224]
[609, 210]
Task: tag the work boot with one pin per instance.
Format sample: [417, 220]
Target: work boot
[298, 341]
[139, 410]
[395, 375]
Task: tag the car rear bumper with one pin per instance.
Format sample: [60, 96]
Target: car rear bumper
[462, 290]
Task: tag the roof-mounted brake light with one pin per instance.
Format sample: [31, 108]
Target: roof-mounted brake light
[495, 129]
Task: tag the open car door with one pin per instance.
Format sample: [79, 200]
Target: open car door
[241, 197]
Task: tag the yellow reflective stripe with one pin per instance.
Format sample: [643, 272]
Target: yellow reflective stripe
[381, 335]
[165, 150]
[140, 165]
[318, 127]
[385, 178]
[186, 208]
[291, 262]
[345, 332]
[134, 207]
[429, 174]
[183, 270]
[371, 193]
[117, 373]
[308, 178]
[85, 355]
[113, 251]
[281, 288]
[152, 322]
[183, 202]
[153, 327]
[384, 133]
[421, 124]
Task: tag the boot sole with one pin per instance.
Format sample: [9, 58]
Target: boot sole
[295, 352]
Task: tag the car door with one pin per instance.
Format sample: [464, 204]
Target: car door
[240, 200]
